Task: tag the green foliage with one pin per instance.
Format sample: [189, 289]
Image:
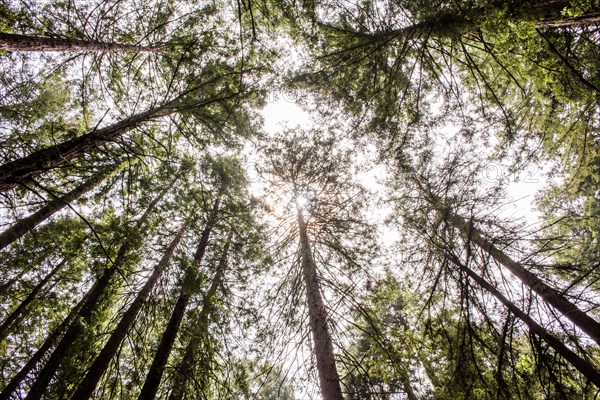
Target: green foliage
[440, 89]
[580, 7]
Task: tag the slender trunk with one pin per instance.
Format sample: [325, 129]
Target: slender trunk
[22, 169]
[547, 293]
[583, 366]
[10, 320]
[203, 244]
[13, 42]
[38, 260]
[89, 383]
[443, 25]
[154, 376]
[74, 331]
[550, 295]
[27, 224]
[50, 341]
[186, 366]
[167, 340]
[586, 19]
[96, 292]
[329, 379]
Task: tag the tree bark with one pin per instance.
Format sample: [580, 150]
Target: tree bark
[89, 383]
[14, 42]
[39, 386]
[583, 366]
[449, 24]
[10, 320]
[590, 18]
[22, 169]
[27, 224]
[203, 244]
[186, 366]
[154, 376]
[329, 380]
[96, 292]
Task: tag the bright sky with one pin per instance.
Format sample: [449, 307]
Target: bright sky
[281, 110]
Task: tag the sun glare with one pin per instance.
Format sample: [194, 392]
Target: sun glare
[302, 202]
[283, 111]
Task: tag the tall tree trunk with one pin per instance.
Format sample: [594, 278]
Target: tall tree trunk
[154, 376]
[329, 379]
[10, 320]
[583, 366]
[550, 295]
[27, 224]
[22, 169]
[186, 366]
[50, 341]
[163, 352]
[13, 42]
[5, 287]
[94, 295]
[586, 19]
[203, 244]
[89, 383]
[74, 331]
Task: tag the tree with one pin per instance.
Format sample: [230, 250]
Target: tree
[17, 313]
[442, 235]
[25, 168]
[109, 350]
[167, 340]
[95, 295]
[323, 347]
[14, 42]
[186, 365]
[583, 366]
[382, 356]
[227, 182]
[28, 223]
[491, 65]
[231, 263]
[549, 294]
[307, 168]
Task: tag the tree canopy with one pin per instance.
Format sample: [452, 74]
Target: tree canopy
[430, 230]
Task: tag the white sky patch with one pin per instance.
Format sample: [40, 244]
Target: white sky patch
[282, 111]
[522, 188]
